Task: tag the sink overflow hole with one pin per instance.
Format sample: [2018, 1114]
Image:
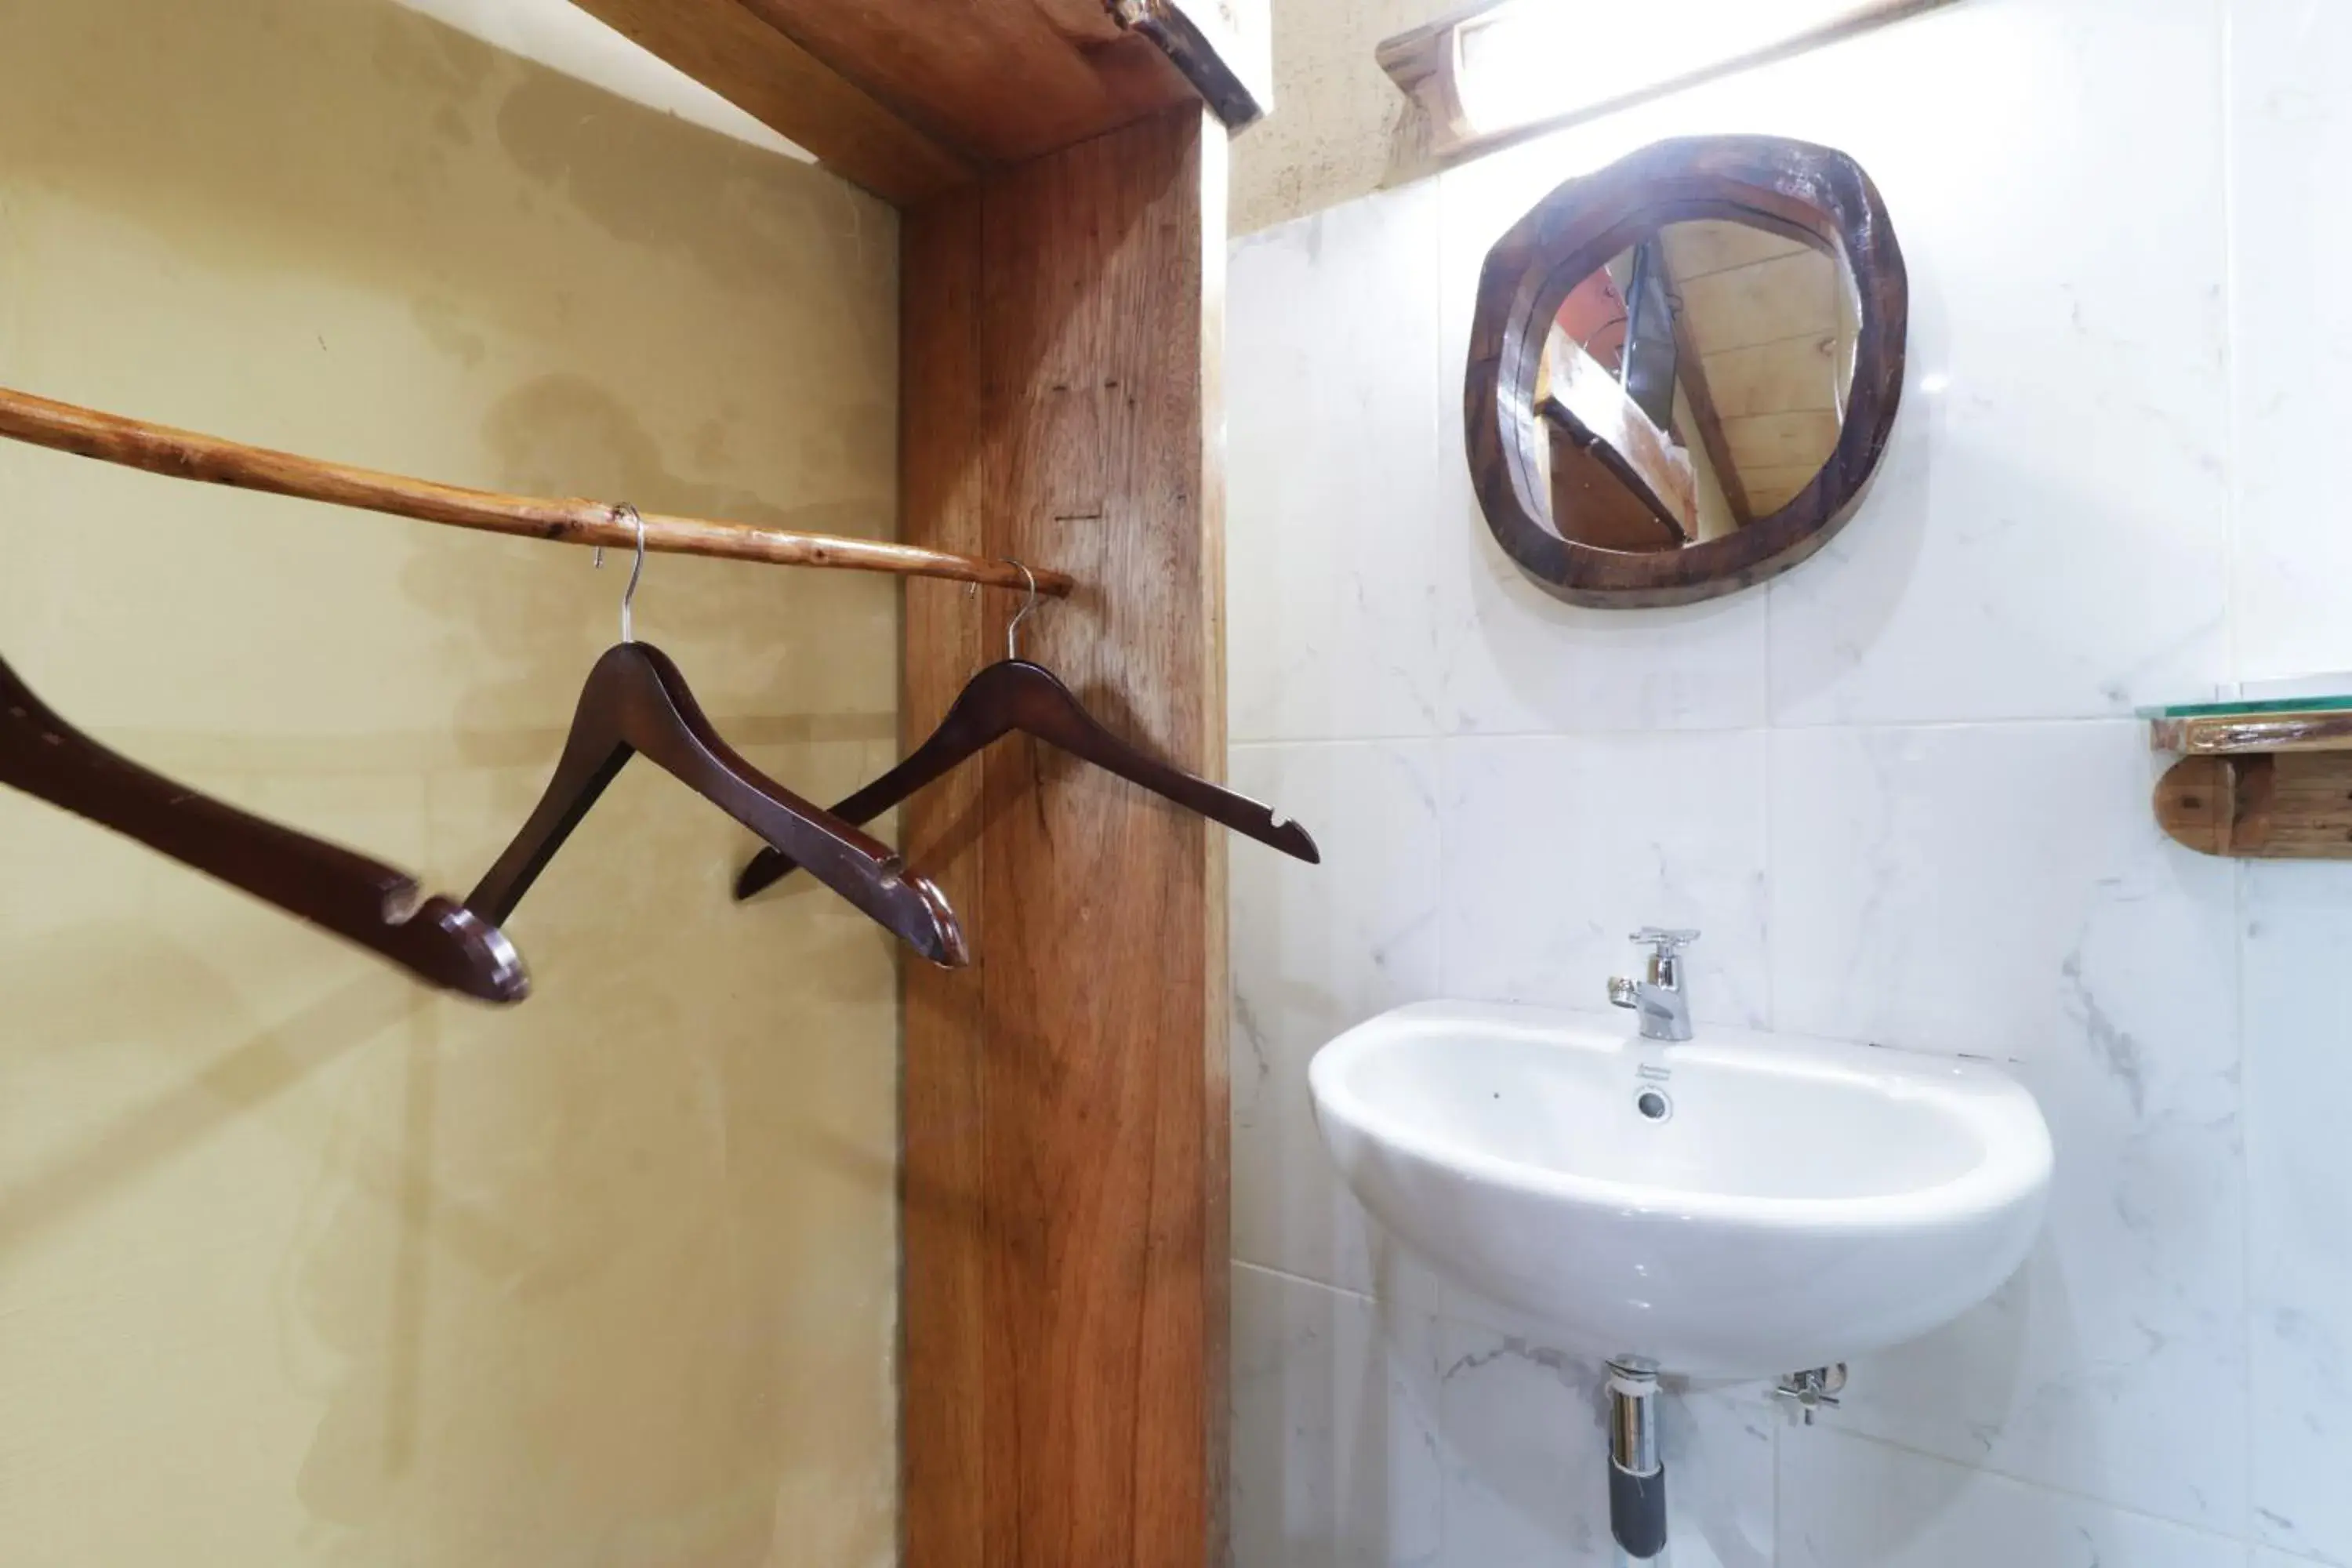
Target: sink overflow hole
[1653, 1105]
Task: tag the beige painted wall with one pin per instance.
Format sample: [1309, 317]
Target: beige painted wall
[298, 1263]
[1340, 127]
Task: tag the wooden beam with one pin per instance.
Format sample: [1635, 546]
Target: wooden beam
[763, 72]
[943, 483]
[1065, 1096]
[1592, 504]
[995, 80]
[914, 97]
[1602, 419]
[1690, 369]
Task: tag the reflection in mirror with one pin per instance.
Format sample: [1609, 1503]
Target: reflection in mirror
[1696, 382]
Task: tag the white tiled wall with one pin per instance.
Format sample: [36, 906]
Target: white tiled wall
[1900, 790]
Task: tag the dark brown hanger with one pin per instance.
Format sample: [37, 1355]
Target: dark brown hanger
[636, 702]
[372, 905]
[1014, 694]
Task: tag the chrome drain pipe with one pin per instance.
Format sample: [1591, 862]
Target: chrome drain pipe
[1637, 1476]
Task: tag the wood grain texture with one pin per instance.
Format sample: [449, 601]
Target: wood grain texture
[2212, 734]
[761, 71]
[185, 455]
[943, 478]
[1788, 188]
[2288, 805]
[913, 97]
[1698, 388]
[1610, 429]
[1066, 1097]
[1607, 512]
[998, 80]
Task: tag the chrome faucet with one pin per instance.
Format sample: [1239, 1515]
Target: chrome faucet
[1660, 999]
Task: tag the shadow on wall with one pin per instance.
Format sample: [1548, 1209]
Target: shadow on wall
[356, 141]
[768, 644]
[606, 1277]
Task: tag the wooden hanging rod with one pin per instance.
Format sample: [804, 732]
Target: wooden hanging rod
[184, 454]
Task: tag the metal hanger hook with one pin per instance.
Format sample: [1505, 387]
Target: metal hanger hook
[636, 568]
[1013, 629]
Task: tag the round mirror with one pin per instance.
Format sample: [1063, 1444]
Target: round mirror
[1685, 367]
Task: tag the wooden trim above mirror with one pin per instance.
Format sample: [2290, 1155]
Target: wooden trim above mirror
[1802, 191]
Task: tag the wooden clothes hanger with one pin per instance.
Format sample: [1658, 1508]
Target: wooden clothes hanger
[1014, 694]
[635, 703]
[372, 905]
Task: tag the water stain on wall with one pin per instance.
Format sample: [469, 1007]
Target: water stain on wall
[297, 1265]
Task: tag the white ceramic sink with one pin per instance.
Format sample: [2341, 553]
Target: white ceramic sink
[1800, 1201]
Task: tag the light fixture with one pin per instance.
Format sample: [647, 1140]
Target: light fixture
[1521, 64]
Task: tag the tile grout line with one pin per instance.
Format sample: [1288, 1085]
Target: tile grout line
[1651, 732]
[2232, 388]
[1442, 696]
[2233, 514]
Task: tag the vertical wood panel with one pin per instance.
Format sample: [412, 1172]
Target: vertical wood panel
[1074, 1156]
[943, 475]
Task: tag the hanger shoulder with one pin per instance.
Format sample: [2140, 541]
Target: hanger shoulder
[1014, 694]
[980, 715]
[362, 901]
[667, 725]
[1052, 713]
[595, 753]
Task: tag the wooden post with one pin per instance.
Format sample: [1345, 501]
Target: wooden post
[1065, 1096]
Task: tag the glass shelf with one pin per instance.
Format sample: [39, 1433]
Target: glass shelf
[2266, 705]
[2321, 721]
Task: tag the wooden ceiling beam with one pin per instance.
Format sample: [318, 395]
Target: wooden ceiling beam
[995, 79]
[772, 79]
[1690, 368]
[911, 98]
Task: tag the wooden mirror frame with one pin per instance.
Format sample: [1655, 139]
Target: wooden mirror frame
[1790, 188]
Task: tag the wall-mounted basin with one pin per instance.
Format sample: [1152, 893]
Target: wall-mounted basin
[1738, 1206]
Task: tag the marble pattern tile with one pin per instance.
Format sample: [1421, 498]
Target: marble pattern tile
[1914, 857]
[2000, 890]
[2291, 141]
[1316, 950]
[1335, 1461]
[1514, 661]
[2050, 536]
[1847, 1503]
[2298, 929]
[1334, 474]
[1524, 1455]
[1557, 847]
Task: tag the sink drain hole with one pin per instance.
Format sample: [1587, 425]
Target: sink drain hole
[1654, 1106]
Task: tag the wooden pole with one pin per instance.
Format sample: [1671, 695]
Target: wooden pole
[184, 454]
